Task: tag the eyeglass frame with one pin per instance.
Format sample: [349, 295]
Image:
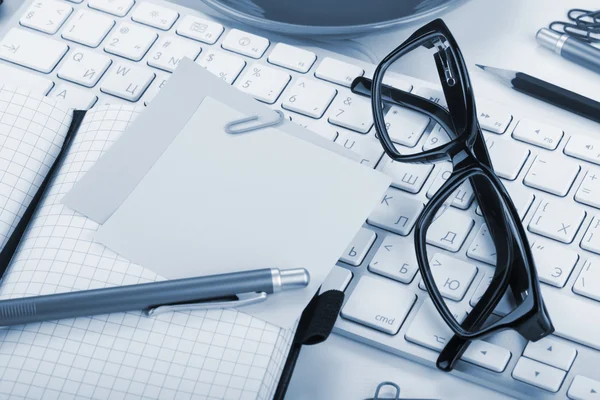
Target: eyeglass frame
[468, 153]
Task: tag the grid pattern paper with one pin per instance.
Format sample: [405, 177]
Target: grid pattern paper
[204, 354]
[32, 131]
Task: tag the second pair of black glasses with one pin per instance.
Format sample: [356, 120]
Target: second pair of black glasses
[501, 241]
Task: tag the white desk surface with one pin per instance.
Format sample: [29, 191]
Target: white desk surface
[498, 33]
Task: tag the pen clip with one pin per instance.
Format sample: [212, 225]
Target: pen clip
[233, 127]
[244, 299]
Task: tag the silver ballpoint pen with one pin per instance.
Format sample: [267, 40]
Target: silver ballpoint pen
[250, 287]
[570, 48]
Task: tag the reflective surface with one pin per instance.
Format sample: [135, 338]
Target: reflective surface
[328, 16]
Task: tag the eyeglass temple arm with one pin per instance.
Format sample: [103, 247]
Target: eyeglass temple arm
[362, 86]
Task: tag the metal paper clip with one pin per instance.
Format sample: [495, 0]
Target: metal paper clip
[584, 17]
[395, 387]
[382, 385]
[591, 35]
[244, 299]
[232, 127]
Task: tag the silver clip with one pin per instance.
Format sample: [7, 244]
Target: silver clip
[244, 299]
[231, 127]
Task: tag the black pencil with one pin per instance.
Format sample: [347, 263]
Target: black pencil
[548, 92]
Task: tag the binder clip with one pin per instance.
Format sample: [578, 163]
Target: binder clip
[243, 125]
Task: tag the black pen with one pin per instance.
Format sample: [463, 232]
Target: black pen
[547, 92]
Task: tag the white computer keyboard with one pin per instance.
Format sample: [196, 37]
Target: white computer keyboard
[108, 51]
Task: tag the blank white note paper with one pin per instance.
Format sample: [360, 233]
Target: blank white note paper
[216, 203]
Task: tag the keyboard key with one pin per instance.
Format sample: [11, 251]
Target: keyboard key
[126, 81]
[557, 221]
[394, 261]
[359, 247]
[77, 98]
[155, 16]
[584, 148]
[452, 276]
[31, 50]
[396, 212]
[157, 84]
[583, 388]
[396, 83]
[120, 8]
[170, 50]
[463, 196]
[507, 302]
[521, 197]
[200, 29]
[224, 65]
[591, 239]
[337, 279]
[88, 28]
[46, 16]
[291, 57]
[405, 126]
[262, 82]
[442, 172]
[579, 326]
[337, 71]
[492, 117]
[588, 281]
[16, 76]
[428, 329]
[366, 146]
[538, 374]
[379, 304]
[314, 125]
[553, 262]
[450, 230]
[432, 95]
[84, 67]
[551, 174]
[353, 112]
[506, 167]
[437, 138]
[589, 190]
[551, 352]
[309, 97]
[482, 248]
[245, 43]
[130, 41]
[405, 176]
[538, 134]
[487, 355]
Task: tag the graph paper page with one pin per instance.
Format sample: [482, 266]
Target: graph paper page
[210, 354]
[32, 131]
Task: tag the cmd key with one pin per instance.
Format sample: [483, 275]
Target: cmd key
[31, 50]
[380, 304]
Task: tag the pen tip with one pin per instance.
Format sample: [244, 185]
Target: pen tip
[483, 67]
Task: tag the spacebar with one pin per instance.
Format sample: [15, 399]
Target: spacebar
[574, 318]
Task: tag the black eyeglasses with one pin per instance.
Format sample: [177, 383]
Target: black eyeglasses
[504, 246]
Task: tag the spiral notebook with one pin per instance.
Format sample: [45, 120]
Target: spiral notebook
[211, 354]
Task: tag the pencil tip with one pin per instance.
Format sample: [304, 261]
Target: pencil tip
[483, 67]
